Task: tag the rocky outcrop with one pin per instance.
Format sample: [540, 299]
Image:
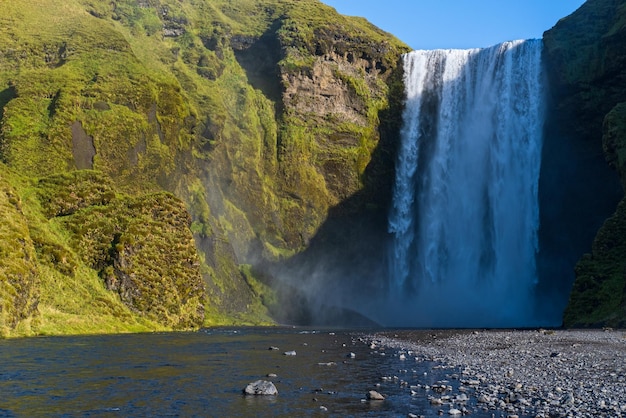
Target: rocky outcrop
[586, 59]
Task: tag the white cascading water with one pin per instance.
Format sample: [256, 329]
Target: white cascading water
[465, 209]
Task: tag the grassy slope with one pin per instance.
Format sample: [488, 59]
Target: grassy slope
[158, 87]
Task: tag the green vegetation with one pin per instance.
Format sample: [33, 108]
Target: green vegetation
[599, 294]
[18, 269]
[108, 107]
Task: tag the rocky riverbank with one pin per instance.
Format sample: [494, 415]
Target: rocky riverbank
[540, 373]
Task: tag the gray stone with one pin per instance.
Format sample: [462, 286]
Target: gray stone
[261, 387]
[372, 395]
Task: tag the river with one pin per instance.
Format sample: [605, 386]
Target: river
[203, 373]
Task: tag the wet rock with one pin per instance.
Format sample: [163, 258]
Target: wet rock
[372, 395]
[527, 376]
[461, 398]
[290, 353]
[261, 388]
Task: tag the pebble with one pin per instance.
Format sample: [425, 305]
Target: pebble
[541, 373]
[290, 353]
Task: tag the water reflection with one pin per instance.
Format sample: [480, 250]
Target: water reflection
[203, 374]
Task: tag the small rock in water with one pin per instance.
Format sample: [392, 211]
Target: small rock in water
[372, 395]
[273, 348]
[462, 398]
[272, 375]
[290, 353]
[260, 387]
[351, 355]
[454, 411]
[323, 408]
[484, 399]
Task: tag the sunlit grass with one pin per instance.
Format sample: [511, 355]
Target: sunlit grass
[157, 108]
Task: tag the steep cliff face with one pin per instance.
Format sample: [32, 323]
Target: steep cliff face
[260, 116]
[586, 58]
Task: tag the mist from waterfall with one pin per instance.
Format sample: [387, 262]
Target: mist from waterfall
[465, 212]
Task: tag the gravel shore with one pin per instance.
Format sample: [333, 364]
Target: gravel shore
[542, 373]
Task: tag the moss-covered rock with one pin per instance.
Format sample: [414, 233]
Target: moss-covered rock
[598, 297]
[143, 249]
[64, 194]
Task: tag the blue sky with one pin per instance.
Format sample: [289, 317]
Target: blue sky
[432, 24]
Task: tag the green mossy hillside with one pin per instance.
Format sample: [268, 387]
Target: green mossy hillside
[66, 193]
[45, 287]
[106, 107]
[143, 249]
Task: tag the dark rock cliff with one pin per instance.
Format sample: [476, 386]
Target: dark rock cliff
[584, 161]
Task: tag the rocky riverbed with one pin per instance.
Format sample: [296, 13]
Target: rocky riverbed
[541, 373]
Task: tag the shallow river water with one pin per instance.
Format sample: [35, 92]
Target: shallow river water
[203, 373]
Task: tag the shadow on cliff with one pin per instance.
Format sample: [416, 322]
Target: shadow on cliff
[345, 264]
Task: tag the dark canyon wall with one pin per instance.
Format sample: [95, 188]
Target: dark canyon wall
[583, 164]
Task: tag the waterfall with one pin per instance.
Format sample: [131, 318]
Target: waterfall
[465, 212]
